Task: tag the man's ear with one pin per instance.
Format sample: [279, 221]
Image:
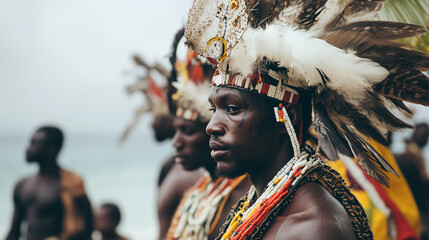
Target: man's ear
[294, 112]
[52, 150]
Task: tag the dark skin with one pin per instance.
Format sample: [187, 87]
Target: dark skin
[421, 134]
[171, 191]
[106, 225]
[37, 199]
[193, 152]
[245, 138]
[174, 179]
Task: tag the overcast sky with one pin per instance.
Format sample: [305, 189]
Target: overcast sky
[63, 62]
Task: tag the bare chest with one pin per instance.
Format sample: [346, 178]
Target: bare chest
[40, 195]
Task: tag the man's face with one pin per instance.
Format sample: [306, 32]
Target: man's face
[191, 143]
[243, 131]
[39, 148]
[421, 134]
[102, 221]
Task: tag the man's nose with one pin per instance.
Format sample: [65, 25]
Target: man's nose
[177, 141]
[215, 127]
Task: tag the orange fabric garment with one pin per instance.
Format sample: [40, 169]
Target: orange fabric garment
[71, 187]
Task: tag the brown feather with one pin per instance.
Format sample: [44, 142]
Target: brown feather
[340, 111]
[399, 105]
[350, 35]
[391, 54]
[356, 7]
[329, 138]
[263, 12]
[368, 158]
[309, 13]
[374, 108]
[405, 84]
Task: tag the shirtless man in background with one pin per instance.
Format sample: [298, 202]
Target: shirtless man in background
[52, 202]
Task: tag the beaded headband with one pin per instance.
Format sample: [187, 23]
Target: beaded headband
[187, 114]
[274, 89]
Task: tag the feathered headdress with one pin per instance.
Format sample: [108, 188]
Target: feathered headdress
[356, 71]
[155, 96]
[191, 81]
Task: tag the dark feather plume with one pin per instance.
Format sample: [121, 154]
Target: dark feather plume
[356, 7]
[364, 32]
[329, 138]
[399, 105]
[372, 40]
[340, 111]
[311, 10]
[340, 124]
[379, 115]
[391, 54]
[368, 158]
[411, 86]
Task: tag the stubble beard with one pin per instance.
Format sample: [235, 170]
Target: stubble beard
[237, 170]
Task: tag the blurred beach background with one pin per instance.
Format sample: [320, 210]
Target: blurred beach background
[125, 175]
[67, 63]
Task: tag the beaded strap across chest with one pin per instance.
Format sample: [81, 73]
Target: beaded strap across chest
[201, 208]
[251, 217]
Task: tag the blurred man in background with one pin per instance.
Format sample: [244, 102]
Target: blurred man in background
[173, 180]
[203, 208]
[53, 202]
[413, 165]
[107, 219]
[416, 144]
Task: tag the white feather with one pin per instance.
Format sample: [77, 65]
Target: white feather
[330, 11]
[195, 97]
[349, 74]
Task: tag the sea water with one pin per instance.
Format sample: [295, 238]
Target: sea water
[124, 174]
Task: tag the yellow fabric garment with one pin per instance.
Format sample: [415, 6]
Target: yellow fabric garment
[399, 192]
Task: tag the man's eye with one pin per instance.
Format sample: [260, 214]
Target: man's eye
[188, 131]
[213, 109]
[232, 109]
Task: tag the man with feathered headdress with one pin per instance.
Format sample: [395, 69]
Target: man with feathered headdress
[205, 207]
[173, 180]
[325, 57]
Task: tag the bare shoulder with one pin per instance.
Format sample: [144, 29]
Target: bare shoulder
[24, 182]
[175, 184]
[18, 189]
[178, 179]
[313, 214]
[72, 182]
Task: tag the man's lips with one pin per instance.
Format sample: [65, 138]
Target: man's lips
[216, 146]
[180, 158]
[218, 149]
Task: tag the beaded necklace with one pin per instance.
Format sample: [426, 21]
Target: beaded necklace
[200, 212]
[252, 213]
